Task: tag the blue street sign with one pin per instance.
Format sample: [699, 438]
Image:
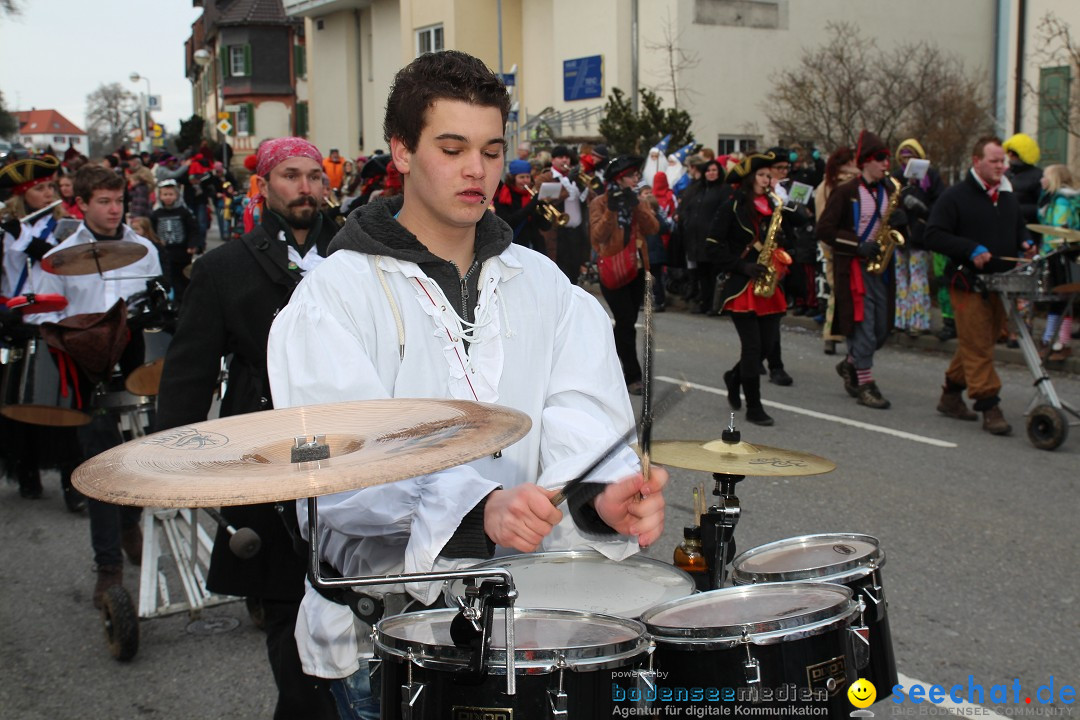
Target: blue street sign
[509, 79]
[512, 116]
[583, 78]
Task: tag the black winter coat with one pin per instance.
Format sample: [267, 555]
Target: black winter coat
[697, 210]
[236, 291]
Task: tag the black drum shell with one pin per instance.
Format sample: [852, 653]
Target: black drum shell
[31, 392]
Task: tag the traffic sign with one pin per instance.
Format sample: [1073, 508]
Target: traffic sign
[157, 131]
[153, 102]
[158, 142]
[225, 127]
[136, 135]
[223, 116]
[232, 108]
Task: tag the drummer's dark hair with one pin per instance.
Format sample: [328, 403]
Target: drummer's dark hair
[447, 75]
[95, 177]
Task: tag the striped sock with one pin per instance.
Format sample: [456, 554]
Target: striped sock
[865, 376]
[1065, 336]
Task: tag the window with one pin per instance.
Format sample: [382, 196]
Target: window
[429, 40]
[301, 119]
[239, 61]
[728, 145]
[245, 119]
[299, 61]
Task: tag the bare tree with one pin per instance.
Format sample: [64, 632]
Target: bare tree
[849, 83]
[1056, 47]
[10, 8]
[111, 113]
[676, 61]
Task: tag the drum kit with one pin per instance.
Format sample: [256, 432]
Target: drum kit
[556, 634]
[1045, 278]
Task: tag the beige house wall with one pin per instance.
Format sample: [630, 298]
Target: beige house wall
[333, 79]
[382, 44]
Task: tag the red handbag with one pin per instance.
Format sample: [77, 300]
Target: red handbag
[619, 269]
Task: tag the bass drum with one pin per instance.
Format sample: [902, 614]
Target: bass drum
[33, 391]
[588, 581]
[849, 559]
[784, 648]
[566, 661]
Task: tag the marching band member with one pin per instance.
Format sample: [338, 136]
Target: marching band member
[100, 194]
[573, 246]
[733, 246]
[863, 312]
[520, 209]
[235, 292]
[28, 234]
[478, 318]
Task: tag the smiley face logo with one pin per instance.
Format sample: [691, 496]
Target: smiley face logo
[862, 693]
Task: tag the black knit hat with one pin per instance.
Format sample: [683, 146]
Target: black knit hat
[560, 151]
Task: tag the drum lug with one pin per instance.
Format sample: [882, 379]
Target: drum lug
[412, 706]
[875, 595]
[859, 636]
[375, 677]
[558, 699]
[751, 668]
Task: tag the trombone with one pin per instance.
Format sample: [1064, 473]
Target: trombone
[551, 213]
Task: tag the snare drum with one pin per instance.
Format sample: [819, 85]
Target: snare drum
[585, 580]
[847, 559]
[568, 660]
[779, 645]
[31, 389]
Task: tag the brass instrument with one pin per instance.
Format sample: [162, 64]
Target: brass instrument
[771, 253]
[551, 213]
[887, 238]
[334, 205]
[585, 181]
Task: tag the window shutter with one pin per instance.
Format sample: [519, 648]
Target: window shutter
[247, 60]
[299, 61]
[302, 119]
[251, 118]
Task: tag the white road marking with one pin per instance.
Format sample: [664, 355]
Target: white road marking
[821, 416]
[962, 709]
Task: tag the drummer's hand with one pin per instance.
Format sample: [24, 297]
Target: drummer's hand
[1030, 250]
[520, 517]
[981, 259]
[632, 506]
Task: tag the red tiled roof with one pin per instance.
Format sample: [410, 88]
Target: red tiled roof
[45, 122]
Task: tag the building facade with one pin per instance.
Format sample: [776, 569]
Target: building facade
[40, 130]
[247, 66]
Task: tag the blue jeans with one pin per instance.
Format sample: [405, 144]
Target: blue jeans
[353, 695]
[222, 223]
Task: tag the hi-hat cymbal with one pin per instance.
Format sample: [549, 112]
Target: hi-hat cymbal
[245, 459]
[89, 258]
[1059, 232]
[742, 458]
[145, 379]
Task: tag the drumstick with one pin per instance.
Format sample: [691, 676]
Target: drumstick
[647, 382]
[1015, 259]
[670, 400]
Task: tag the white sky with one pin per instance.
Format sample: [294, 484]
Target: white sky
[56, 52]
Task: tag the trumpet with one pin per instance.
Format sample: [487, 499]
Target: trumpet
[551, 213]
[334, 205]
[586, 181]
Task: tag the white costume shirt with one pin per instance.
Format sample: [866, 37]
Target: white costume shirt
[15, 258]
[539, 345]
[572, 204]
[97, 293]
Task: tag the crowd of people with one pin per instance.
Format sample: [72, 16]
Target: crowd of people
[444, 268]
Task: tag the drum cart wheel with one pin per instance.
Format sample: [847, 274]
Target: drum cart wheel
[121, 623]
[1047, 427]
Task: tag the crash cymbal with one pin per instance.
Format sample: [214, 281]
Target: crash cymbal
[145, 379]
[740, 458]
[246, 459]
[32, 303]
[89, 258]
[1067, 289]
[1058, 232]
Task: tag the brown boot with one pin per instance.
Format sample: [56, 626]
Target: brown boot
[994, 421]
[131, 542]
[107, 576]
[952, 405]
[871, 397]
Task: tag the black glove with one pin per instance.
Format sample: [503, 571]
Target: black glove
[867, 250]
[622, 199]
[37, 248]
[752, 269]
[898, 219]
[12, 227]
[916, 206]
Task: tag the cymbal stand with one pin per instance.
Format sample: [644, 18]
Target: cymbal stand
[500, 593]
[718, 523]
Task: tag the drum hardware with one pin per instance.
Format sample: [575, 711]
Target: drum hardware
[93, 257]
[557, 697]
[244, 543]
[1067, 289]
[751, 667]
[31, 303]
[411, 691]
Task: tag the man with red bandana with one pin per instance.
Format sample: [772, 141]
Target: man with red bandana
[235, 292]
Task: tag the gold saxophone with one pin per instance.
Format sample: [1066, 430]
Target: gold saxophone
[771, 253]
[887, 238]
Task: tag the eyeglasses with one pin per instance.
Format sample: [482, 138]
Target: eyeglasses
[880, 156]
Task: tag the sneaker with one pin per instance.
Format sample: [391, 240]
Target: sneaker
[780, 377]
[851, 379]
[131, 541]
[732, 383]
[758, 416]
[107, 576]
[1059, 354]
[994, 422]
[870, 396]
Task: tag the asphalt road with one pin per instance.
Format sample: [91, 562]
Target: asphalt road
[981, 560]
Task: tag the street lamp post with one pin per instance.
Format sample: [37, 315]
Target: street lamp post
[204, 59]
[136, 77]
